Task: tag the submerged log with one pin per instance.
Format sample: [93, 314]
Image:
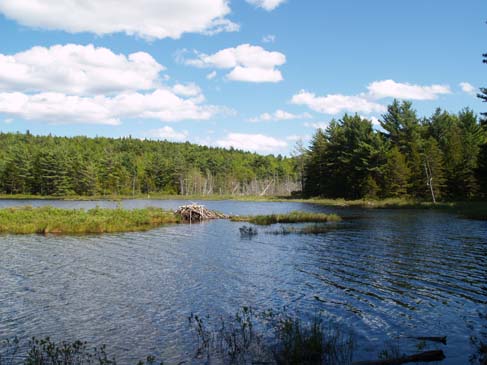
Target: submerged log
[441, 339]
[427, 356]
[197, 213]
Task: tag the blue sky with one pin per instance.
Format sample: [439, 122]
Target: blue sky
[253, 74]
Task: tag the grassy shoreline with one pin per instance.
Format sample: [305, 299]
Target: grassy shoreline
[476, 210]
[45, 220]
[362, 203]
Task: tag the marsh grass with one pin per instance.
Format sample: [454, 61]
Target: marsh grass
[270, 338]
[293, 217]
[44, 220]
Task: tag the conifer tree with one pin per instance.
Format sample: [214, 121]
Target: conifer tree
[396, 175]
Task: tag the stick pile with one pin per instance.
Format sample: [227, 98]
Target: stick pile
[198, 213]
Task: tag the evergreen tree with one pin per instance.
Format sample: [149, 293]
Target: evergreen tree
[403, 130]
[396, 175]
[315, 169]
[472, 137]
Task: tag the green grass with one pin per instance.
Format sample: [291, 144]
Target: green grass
[28, 220]
[293, 217]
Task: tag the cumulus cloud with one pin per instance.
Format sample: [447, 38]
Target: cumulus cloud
[58, 108]
[393, 89]
[168, 133]
[266, 4]
[77, 69]
[144, 18]
[190, 89]
[336, 103]
[85, 84]
[251, 142]
[468, 88]
[248, 63]
[279, 115]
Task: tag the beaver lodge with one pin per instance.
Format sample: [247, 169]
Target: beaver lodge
[197, 213]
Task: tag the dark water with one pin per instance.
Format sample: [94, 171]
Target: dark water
[386, 273]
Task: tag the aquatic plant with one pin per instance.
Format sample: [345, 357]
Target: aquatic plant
[293, 217]
[270, 338]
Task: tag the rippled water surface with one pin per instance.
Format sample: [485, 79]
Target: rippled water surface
[384, 273]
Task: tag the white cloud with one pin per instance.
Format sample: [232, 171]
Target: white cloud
[8, 121]
[374, 120]
[468, 88]
[168, 133]
[279, 115]
[269, 38]
[144, 18]
[392, 89]
[251, 142]
[77, 69]
[58, 108]
[248, 63]
[266, 4]
[191, 89]
[336, 103]
[316, 125]
[211, 75]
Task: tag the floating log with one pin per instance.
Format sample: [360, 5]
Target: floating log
[427, 356]
[441, 339]
[197, 213]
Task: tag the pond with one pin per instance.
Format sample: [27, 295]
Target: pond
[383, 273]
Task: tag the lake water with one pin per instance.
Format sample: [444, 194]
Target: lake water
[384, 273]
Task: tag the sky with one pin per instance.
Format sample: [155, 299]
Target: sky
[256, 75]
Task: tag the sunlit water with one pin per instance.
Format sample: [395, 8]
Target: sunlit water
[385, 274]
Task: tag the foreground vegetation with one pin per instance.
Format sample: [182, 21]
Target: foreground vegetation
[248, 337]
[28, 220]
[293, 217]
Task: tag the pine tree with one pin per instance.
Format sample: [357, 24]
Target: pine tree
[315, 169]
[472, 136]
[396, 175]
[404, 132]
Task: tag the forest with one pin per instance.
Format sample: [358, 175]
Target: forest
[443, 157]
[63, 166]
[439, 158]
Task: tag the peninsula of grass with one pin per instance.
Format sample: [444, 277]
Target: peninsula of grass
[293, 217]
[44, 220]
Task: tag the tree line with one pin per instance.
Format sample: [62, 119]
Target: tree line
[48, 165]
[440, 157]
